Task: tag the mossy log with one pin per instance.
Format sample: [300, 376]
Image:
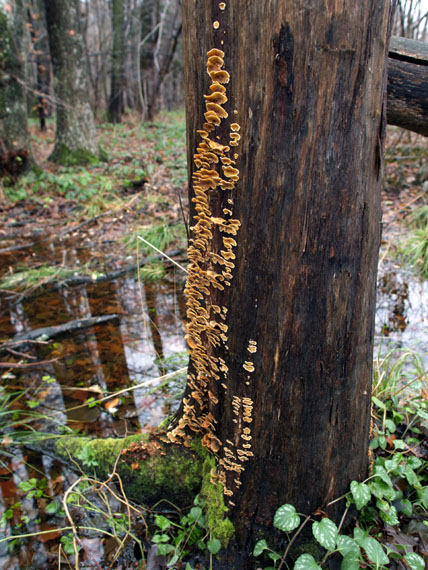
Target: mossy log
[150, 469]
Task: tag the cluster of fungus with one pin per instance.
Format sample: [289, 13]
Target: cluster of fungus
[211, 263]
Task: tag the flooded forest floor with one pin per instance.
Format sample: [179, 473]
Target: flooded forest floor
[91, 316]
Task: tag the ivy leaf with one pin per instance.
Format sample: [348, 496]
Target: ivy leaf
[390, 426]
[406, 507]
[388, 513]
[261, 545]
[414, 462]
[195, 513]
[286, 518]
[306, 562]
[351, 561]
[360, 493]
[162, 522]
[214, 546]
[382, 473]
[325, 533]
[274, 556]
[374, 551]
[165, 549]
[415, 561]
[346, 545]
[423, 497]
[380, 489]
[53, 507]
[411, 477]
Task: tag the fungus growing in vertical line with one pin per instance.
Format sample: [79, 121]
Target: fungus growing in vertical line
[214, 63]
[248, 366]
[212, 118]
[217, 88]
[216, 97]
[234, 138]
[252, 346]
[231, 172]
[221, 76]
[222, 5]
[216, 25]
[217, 109]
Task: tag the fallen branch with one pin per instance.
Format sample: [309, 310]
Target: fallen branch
[48, 333]
[27, 364]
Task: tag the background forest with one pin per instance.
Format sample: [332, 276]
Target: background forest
[93, 194]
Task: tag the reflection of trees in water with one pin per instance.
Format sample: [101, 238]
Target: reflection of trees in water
[396, 292]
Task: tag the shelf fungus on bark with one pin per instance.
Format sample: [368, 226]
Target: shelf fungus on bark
[211, 264]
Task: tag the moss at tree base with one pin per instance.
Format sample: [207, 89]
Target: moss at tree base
[65, 156]
[215, 510]
[149, 469]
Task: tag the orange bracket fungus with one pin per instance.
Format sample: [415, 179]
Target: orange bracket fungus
[211, 264]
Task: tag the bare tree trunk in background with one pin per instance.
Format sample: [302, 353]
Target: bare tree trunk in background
[115, 107]
[39, 38]
[164, 53]
[285, 157]
[161, 31]
[411, 20]
[76, 140]
[15, 154]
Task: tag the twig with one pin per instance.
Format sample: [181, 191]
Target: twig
[162, 253]
[287, 550]
[27, 364]
[22, 354]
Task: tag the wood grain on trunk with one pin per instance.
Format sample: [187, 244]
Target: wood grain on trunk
[306, 88]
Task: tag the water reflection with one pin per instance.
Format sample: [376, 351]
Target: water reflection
[145, 341]
[402, 309]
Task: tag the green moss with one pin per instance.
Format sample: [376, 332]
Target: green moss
[62, 154]
[215, 510]
[175, 476]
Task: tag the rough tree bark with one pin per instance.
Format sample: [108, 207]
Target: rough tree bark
[15, 155]
[285, 158]
[115, 106]
[76, 140]
[407, 105]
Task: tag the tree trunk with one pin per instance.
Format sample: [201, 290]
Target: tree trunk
[286, 171]
[76, 140]
[115, 107]
[15, 155]
[39, 38]
[407, 105]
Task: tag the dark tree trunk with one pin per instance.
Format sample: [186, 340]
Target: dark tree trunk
[115, 107]
[407, 105]
[285, 194]
[15, 155]
[76, 140]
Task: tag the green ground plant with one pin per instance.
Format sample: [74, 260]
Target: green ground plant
[414, 248]
[395, 492]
